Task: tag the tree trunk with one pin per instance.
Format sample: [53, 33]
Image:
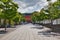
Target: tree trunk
[51, 22]
[0, 22]
[57, 21]
[15, 23]
[52, 26]
[9, 23]
[5, 24]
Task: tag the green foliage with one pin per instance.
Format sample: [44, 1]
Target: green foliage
[16, 19]
[9, 8]
[4, 0]
[39, 16]
[8, 11]
[35, 16]
[48, 0]
[53, 12]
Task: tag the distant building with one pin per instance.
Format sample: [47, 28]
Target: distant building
[27, 17]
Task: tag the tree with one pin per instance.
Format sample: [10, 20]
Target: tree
[9, 10]
[40, 16]
[35, 16]
[1, 15]
[17, 19]
[54, 10]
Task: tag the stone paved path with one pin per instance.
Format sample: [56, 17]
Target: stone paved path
[26, 32]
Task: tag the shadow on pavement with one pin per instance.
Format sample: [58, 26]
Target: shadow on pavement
[48, 33]
[3, 32]
[38, 27]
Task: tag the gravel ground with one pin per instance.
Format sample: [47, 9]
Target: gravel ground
[43, 33]
[3, 33]
[9, 30]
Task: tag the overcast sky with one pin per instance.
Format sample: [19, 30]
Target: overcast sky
[28, 6]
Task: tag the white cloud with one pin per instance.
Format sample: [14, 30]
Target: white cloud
[30, 5]
[53, 0]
